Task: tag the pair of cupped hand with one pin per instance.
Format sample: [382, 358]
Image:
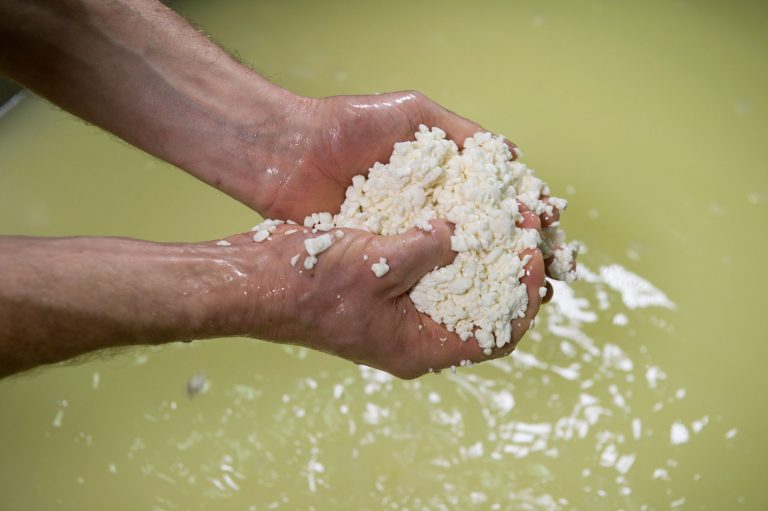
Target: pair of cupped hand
[340, 306]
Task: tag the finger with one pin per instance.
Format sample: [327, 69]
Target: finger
[530, 219]
[415, 253]
[547, 219]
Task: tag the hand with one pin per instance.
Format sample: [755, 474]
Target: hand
[341, 307]
[323, 143]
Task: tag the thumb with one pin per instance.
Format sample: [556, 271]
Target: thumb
[416, 252]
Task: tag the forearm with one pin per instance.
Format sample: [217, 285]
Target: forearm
[139, 70]
[63, 297]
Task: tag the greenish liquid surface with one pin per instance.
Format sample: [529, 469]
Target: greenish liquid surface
[643, 385]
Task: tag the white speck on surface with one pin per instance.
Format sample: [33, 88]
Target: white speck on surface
[291, 231]
[609, 456]
[654, 374]
[503, 401]
[474, 451]
[731, 433]
[624, 463]
[620, 320]
[223, 243]
[375, 414]
[477, 498]
[636, 292]
[679, 433]
[699, 424]
[95, 380]
[56, 423]
[197, 384]
[295, 259]
[230, 482]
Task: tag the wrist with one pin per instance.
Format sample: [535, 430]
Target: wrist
[273, 128]
[216, 288]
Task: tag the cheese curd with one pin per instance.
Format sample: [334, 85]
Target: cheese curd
[478, 189]
[381, 268]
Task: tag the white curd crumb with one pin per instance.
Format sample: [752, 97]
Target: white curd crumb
[260, 236]
[223, 243]
[310, 262]
[317, 245]
[295, 259]
[268, 225]
[365, 257]
[339, 234]
[543, 291]
[291, 231]
[560, 204]
[381, 268]
[319, 221]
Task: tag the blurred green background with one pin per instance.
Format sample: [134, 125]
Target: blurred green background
[641, 388]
